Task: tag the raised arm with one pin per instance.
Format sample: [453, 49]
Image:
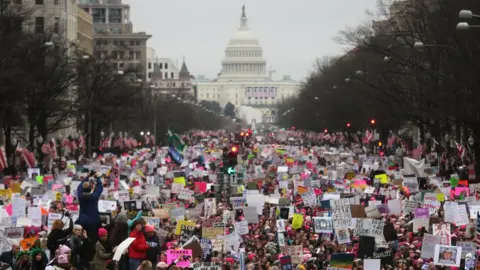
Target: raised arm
[131, 221]
[98, 188]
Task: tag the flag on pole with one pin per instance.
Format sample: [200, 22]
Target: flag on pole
[460, 150]
[176, 141]
[28, 157]
[417, 152]
[53, 146]
[152, 139]
[81, 143]
[3, 158]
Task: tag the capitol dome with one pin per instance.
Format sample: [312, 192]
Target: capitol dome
[243, 56]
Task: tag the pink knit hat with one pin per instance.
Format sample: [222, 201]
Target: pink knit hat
[102, 232]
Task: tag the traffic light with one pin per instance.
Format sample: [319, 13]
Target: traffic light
[230, 160]
[348, 124]
[372, 121]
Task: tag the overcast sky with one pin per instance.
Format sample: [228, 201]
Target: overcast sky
[292, 33]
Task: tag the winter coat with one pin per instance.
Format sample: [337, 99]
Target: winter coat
[153, 250]
[89, 204]
[138, 248]
[101, 257]
[56, 238]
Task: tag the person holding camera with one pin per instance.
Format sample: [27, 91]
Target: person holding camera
[88, 194]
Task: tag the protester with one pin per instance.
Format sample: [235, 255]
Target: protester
[38, 259]
[8, 257]
[153, 242]
[88, 194]
[137, 251]
[340, 208]
[79, 247]
[23, 261]
[145, 265]
[103, 251]
[57, 236]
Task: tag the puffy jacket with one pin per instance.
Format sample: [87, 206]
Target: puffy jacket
[89, 204]
[138, 248]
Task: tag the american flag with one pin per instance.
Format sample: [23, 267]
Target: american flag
[47, 149]
[152, 138]
[417, 152]
[342, 138]
[28, 157]
[147, 140]
[133, 142]
[460, 150]
[368, 137]
[106, 142]
[53, 145]
[67, 146]
[3, 158]
[333, 138]
[118, 142]
[81, 143]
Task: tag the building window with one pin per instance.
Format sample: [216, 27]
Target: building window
[137, 55]
[166, 65]
[137, 43]
[115, 15]
[56, 25]
[172, 75]
[55, 2]
[173, 84]
[149, 75]
[160, 66]
[149, 65]
[131, 55]
[38, 2]
[166, 75]
[98, 15]
[39, 24]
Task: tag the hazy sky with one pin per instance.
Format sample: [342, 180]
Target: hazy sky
[292, 33]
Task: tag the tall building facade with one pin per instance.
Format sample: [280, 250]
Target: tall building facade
[85, 31]
[114, 36]
[53, 16]
[244, 79]
[151, 57]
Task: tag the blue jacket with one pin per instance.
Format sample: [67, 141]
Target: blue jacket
[89, 204]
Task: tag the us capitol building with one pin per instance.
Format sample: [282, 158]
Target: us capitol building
[245, 81]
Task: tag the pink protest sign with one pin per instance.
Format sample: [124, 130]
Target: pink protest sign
[184, 257]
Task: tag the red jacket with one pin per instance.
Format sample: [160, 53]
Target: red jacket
[138, 248]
